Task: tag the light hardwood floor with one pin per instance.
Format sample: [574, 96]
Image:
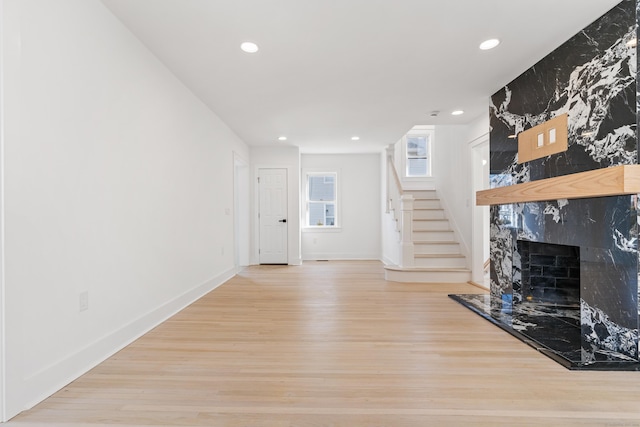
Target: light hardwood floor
[334, 344]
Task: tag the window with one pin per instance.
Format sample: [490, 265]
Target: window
[418, 150]
[321, 199]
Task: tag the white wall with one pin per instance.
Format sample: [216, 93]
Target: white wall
[242, 210]
[453, 158]
[117, 183]
[286, 157]
[477, 137]
[359, 194]
[390, 237]
[9, 125]
[452, 176]
[478, 128]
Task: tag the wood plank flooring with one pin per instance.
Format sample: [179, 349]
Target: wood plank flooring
[334, 344]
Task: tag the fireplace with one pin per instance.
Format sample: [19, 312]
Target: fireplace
[564, 279]
[550, 274]
[565, 263]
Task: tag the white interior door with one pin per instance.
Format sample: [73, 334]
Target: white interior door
[272, 186]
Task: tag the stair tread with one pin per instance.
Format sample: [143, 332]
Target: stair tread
[435, 242]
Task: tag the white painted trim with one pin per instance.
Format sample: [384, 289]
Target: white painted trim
[3, 367]
[479, 140]
[241, 196]
[478, 285]
[341, 257]
[387, 261]
[321, 230]
[418, 181]
[57, 375]
[304, 183]
[477, 228]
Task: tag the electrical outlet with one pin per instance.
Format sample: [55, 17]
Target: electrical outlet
[545, 139]
[83, 301]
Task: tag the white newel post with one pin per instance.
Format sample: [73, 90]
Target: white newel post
[406, 233]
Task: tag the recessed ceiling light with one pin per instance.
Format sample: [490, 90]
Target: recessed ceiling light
[355, 138]
[457, 113]
[282, 138]
[249, 47]
[489, 44]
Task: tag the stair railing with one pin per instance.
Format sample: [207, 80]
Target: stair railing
[401, 204]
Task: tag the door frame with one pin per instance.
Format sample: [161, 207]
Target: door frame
[241, 211]
[291, 212]
[480, 214]
[8, 33]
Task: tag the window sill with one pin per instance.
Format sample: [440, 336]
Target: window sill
[417, 178]
[321, 229]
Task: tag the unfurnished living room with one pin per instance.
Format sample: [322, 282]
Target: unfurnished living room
[319, 213]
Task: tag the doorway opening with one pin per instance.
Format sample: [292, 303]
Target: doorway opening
[241, 207]
[480, 178]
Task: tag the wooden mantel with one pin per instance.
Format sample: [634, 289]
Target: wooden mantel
[612, 181]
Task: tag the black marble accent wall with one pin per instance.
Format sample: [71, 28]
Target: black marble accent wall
[593, 78]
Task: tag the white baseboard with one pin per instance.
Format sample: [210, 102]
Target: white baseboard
[54, 377]
[387, 261]
[340, 257]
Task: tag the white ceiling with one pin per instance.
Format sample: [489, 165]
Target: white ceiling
[331, 69]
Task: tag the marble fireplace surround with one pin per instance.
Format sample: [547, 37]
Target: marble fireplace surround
[585, 197]
[556, 330]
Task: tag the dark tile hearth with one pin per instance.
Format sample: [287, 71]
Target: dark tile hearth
[551, 329]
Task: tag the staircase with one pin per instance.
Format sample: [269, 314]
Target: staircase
[436, 253]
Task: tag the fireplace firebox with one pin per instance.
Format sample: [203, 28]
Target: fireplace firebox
[550, 274]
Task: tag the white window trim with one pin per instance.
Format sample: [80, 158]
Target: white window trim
[418, 130]
[338, 208]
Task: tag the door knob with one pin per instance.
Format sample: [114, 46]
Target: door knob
[282, 220]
